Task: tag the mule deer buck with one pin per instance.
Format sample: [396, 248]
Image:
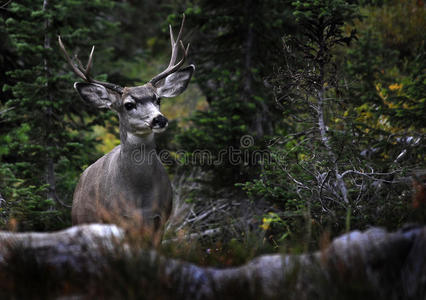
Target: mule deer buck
[118, 184]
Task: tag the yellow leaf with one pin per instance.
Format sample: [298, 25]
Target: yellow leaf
[395, 86]
[264, 226]
[265, 223]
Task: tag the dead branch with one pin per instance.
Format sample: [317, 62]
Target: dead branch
[387, 265]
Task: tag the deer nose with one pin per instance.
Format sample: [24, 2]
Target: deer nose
[159, 122]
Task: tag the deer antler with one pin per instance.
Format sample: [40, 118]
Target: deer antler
[175, 49]
[84, 73]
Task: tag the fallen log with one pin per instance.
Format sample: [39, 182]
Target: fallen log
[98, 261]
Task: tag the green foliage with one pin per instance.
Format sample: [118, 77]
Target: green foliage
[389, 62]
[235, 49]
[45, 136]
[331, 13]
[24, 206]
[373, 83]
[356, 120]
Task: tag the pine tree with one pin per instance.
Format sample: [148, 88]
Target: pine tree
[49, 138]
[306, 173]
[342, 163]
[234, 46]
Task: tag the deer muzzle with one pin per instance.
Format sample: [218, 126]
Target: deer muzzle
[159, 123]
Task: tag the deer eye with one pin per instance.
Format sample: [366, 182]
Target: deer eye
[130, 105]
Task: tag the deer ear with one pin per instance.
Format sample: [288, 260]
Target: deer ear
[94, 94]
[175, 83]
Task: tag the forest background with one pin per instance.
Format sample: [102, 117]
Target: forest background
[321, 101]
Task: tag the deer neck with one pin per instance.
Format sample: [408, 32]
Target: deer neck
[137, 151]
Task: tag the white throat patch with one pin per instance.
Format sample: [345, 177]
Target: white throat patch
[136, 140]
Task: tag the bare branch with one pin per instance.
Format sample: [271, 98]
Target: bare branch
[3, 6]
[367, 174]
[6, 110]
[370, 175]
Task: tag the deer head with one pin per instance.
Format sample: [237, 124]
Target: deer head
[138, 107]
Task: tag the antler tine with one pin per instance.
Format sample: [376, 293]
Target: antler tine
[80, 66]
[90, 61]
[175, 46]
[84, 73]
[172, 67]
[69, 60]
[172, 39]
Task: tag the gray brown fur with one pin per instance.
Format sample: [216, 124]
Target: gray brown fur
[115, 187]
[129, 182]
